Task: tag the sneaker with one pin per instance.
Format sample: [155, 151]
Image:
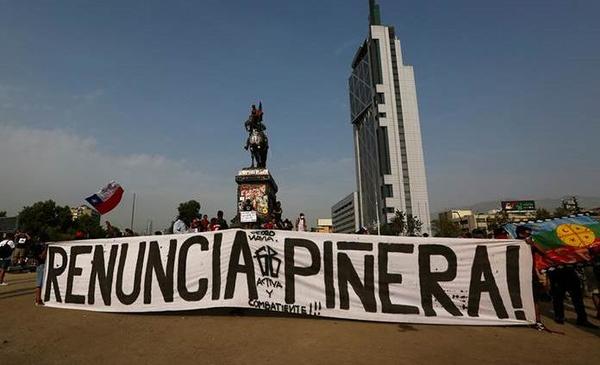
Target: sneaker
[539, 326]
[586, 324]
[4, 283]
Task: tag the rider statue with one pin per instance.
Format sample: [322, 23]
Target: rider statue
[257, 140]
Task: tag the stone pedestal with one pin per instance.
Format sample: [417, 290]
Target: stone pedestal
[260, 188]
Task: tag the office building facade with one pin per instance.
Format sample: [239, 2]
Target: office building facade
[343, 215]
[390, 168]
[84, 210]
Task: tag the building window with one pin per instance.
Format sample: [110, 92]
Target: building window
[376, 62]
[385, 166]
[387, 191]
[389, 210]
[380, 98]
[382, 115]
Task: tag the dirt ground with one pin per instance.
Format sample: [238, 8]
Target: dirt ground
[38, 335]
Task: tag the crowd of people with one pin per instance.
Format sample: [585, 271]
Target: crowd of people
[554, 284]
[183, 225]
[21, 252]
[272, 221]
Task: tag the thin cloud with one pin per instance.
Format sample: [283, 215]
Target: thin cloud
[53, 164]
[40, 164]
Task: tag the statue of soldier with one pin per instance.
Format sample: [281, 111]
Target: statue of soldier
[254, 122]
[257, 140]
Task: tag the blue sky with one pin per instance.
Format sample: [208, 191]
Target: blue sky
[154, 94]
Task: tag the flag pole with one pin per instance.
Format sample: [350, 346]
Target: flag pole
[377, 215]
[132, 212]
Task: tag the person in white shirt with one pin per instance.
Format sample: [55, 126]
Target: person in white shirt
[179, 226]
[301, 223]
[6, 248]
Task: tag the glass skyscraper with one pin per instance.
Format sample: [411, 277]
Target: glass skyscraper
[390, 169]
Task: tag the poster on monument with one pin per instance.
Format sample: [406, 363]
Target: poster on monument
[257, 194]
[248, 216]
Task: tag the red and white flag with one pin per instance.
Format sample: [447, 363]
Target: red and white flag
[107, 198]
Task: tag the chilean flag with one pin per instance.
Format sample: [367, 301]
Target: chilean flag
[107, 198]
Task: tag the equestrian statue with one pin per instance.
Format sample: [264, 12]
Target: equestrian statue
[257, 140]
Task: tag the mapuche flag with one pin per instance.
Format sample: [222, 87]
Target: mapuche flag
[563, 241]
[107, 198]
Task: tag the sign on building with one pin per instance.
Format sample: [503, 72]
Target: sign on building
[518, 205]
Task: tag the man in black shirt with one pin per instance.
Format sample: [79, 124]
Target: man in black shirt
[222, 222]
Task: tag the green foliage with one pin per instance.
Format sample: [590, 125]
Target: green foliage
[89, 225]
[561, 212]
[386, 229]
[398, 223]
[413, 225]
[542, 213]
[445, 228]
[500, 219]
[46, 217]
[402, 224]
[572, 205]
[188, 211]
[2, 213]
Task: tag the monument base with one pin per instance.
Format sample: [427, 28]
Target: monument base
[256, 188]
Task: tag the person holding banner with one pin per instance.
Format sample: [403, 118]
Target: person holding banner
[524, 233]
[40, 256]
[563, 280]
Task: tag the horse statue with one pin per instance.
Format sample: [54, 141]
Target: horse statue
[259, 146]
[257, 141]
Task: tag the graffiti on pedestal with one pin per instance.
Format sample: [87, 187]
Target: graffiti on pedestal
[257, 194]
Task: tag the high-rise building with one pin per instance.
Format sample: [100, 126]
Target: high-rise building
[390, 169]
[343, 215]
[82, 210]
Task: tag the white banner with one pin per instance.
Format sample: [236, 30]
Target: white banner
[374, 278]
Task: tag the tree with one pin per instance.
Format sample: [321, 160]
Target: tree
[89, 225]
[386, 229]
[499, 219]
[413, 225]
[188, 211]
[569, 206]
[398, 223]
[444, 227]
[402, 224]
[541, 214]
[2, 213]
[561, 212]
[46, 217]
